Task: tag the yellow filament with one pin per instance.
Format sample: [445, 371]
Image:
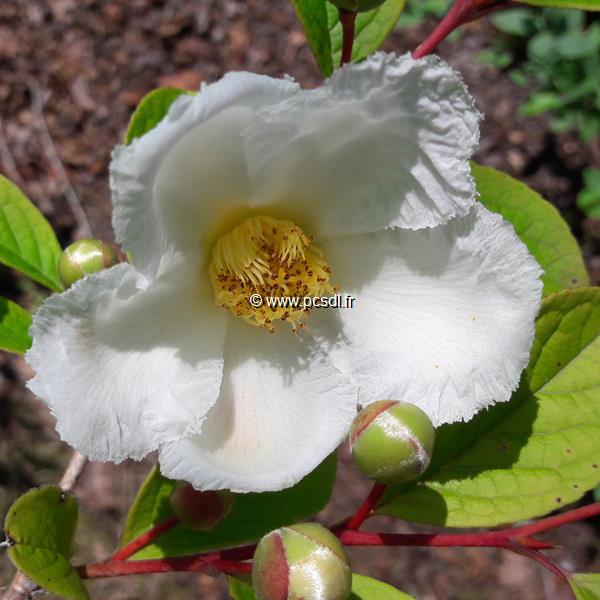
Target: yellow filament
[272, 258]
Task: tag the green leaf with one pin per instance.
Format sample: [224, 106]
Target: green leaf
[541, 102]
[363, 588]
[538, 224]
[241, 589]
[313, 16]
[589, 198]
[526, 457]
[586, 586]
[41, 525]
[27, 242]
[367, 588]
[516, 21]
[252, 515]
[581, 4]
[371, 30]
[151, 111]
[14, 327]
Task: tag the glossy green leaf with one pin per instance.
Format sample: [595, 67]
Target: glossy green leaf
[313, 16]
[371, 30]
[538, 224]
[241, 589]
[524, 458]
[589, 198]
[151, 111]
[14, 327]
[27, 242]
[252, 515]
[367, 588]
[580, 4]
[586, 586]
[41, 525]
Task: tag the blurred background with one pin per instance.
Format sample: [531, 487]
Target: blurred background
[71, 74]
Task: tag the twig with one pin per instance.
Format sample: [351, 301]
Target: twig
[146, 538]
[69, 478]
[207, 563]
[434, 540]
[461, 12]
[577, 514]
[548, 564]
[7, 159]
[367, 506]
[230, 561]
[53, 157]
[21, 587]
[348, 21]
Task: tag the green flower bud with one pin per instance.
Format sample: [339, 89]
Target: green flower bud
[200, 511]
[357, 5]
[82, 258]
[301, 561]
[391, 441]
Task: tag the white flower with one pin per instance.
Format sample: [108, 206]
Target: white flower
[230, 189]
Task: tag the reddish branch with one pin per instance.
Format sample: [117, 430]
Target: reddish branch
[146, 538]
[462, 11]
[207, 563]
[435, 540]
[367, 506]
[348, 21]
[230, 561]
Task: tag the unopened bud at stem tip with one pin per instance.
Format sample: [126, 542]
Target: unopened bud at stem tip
[301, 561]
[392, 442]
[84, 257]
[198, 510]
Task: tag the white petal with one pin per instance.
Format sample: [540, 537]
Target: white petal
[138, 214]
[383, 143]
[444, 318]
[124, 368]
[283, 408]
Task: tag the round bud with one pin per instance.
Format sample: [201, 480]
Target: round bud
[391, 441]
[301, 561]
[357, 5]
[200, 511]
[82, 258]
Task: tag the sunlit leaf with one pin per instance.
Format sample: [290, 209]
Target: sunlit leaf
[27, 242]
[41, 525]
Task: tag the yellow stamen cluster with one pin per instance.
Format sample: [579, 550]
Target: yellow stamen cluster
[272, 258]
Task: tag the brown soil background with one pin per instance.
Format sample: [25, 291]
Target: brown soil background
[77, 69]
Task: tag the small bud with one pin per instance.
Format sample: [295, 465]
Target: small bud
[301, 561]
[82, 258]
[357, 5]
[391, 441]
[200, 511]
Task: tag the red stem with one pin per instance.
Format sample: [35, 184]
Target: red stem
[228, 561]
[462, 12]
[446, 26]
[146, 538]
[546, 562]
[207, 562]
[348, 21]
[486, 539]
[577, 514]
[367, 506]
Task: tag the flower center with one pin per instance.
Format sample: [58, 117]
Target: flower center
[263, 262]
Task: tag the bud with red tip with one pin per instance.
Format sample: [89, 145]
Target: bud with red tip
[200, 511]
[391, 441]
[301, 561]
